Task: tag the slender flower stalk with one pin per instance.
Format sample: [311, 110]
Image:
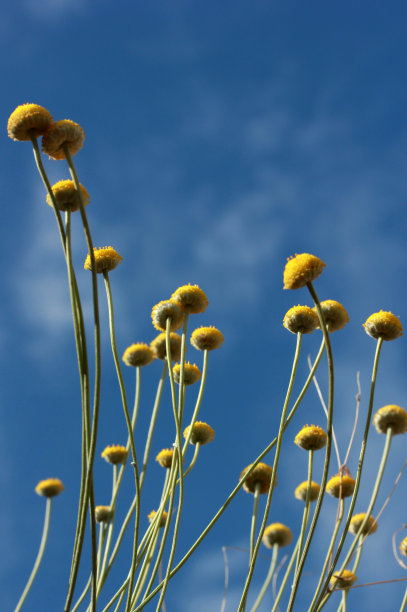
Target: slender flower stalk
[268, 579]
[254, 520]
[305, 515]
[286, 576]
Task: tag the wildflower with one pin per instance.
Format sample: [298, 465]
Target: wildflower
[357, 520]
[103, 514]
[191, 297]
[159, 346]
[167, 309]
[302, 269]
[301, 491]
[202, 433]
[61, 133]
[115, 454]
[343, 580]
[301, 319]
[66, 197]
[311, 437]
[261, 476]
[391, 416]
[163, 518]
[403, 547]
[164, 457]
[206, 338]
[191, 373]
[49, 487]
[106, 259]
[138, 355]
[340, 486]
[383, 325]
[335, 315]
[277, 533]
[28, 120]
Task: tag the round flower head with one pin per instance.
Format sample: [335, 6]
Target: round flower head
[301, 491]
[261, 476]
[202, 433]
[206, 338]
[164, 457]
[311, 437]
[61, 133]
[106, 259]
[191, 373]
[335, 315]
[28, 120]
[357, 520]
[391, 416]
[138, 355]
[343, 580]
[302, 269]
[301, 319]
[403, 547]
[103, 514]
[49, 487]
[277, 533]
[163, 518]
[340, 486]
[191, 297]
[167, 309]
[383, 325]
[66, 197]
[115, 454]
[159, 346]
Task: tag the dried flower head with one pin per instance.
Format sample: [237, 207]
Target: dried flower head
[106, 259]
[159, 346]
[340, 486]
[138, 355]
[167, 309]
[277, 533]
[391, 416]
[103, 514]
[301, 319]
[163, 518]
[49, 487]
[191, 297]
[357, 520]
[301, 491]
[191, 373]
[164, 457]
[343, 580]
[115, 453]
[66, 197]
[202, 433]
[383, 325]
[60, 134]
[28, 120]
[261, 476]
[206, 338]
[302, 269]
[335, 315]
[311, 437]
[403, 547]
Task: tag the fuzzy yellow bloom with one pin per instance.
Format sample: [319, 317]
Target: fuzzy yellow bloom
[167, 309]
[356, 522]
[163, 518]
[391, 416]
[311, 437]
[335, 315]
[115, 454]
[106, 259]
[191, 373]
[301, 491]
[383, 325]
[49, 487]
[206, 338]
[138, 355]
[344, 580]
[340, 486]
[260, 476]
[403, 547]
[103, 514]
[60, 134]
[277, 534]
[159, 346]
[202, 433]
[66, 197]
[28, 120]
[191, 297]
[301, 319]
[165, 456]
[302, 269]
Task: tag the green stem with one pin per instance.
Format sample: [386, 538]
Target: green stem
[268, 578]
[286, 575]
[305, 515]
[404, 602]
[198, 401]
[254, 520]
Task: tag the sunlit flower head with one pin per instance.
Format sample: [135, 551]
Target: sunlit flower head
[163, 518]
[115, 454]
[301, 319]
[403, 547]
[103, 514]
[206, 338]
[302, 269]
[28, 120]
[138, 355]
[202, 433]
[191, 373]
[260, 477]
[335, 315]
[49, 487]
[167, 309]
[391, 416]
[106, 259]
[159, 346]
[165, 457]
[191, 297]
[383, 325]
[277, 533]
[301, 491]
[343, 580]
[356, 522]
[311, 437]
[340, 486]
[60, 134]
[66, 197]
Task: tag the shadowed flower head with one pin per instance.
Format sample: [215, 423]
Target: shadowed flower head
[163, 518]
[159, 346]
[343, 580]
[61, 133]
[164, 457]
[340, 486]
[103, 514]
[301, 491]
[302, 269]
[202, 433]
[277, 533]
[261, 476]
[138, 355]
[191, 297]
[191, 373]
[167, 309]
[206, 338]
[115, 453]
[335, 315]
[28, 120]
[66, 197]
[391, 416]
[311, 437]
[49, 487]
[383, 325]
[106, 259]
[301, 319]
[356, 522]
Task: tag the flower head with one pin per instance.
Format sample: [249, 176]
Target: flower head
[49, 487]
[28, 120]
[277, 533]
[335, 315]
[163, 518]
[159, 346]
[302, 269]
[103, 514]
[167, 309]
[301, 319]
[301, 491]
[311, 437]
[356, 522]
[202, 433]
[191, 373]
[206, 338]
[164, 457]
[383, 325]
[115, 454]
[340, 486]
[191, 297]
[106, 259]
[261, 477]
[403, 547]
[66, 197]
[60, 134]
[138, 355]
[391, 416]
[343, 580]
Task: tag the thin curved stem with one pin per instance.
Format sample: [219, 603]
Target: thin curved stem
[268, 579]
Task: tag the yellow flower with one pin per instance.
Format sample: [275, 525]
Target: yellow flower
[335, 315]
[301, 491]
[311, 437]
[115, 454]
[340, 486]
[206, 338]
[138, 355]
[164, 457]
[60, 133]
[202, 433]
[301, 319]
[343, 580]
[277, 533]
[356, 522]
[163, 518]
[49, 487]
[103, 514]
[403, 547]
[391, 416]
[383, 325]
[167, 309]
[106, 259]
[261, 476]
[66, 197]
[302, 269]
[28, 120]
[191, 297]
[159, 346]
[191, 373]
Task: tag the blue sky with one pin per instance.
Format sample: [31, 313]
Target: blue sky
[220, 139]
